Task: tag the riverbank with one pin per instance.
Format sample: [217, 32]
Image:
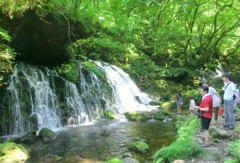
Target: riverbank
[218, 151]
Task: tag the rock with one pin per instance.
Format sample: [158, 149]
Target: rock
[134, 116]
[138, 146]
[211, 154]
[13, 152]
[49, 158]
[130, 160]
[179, 161]
[127, 155]
[73, 159]
[161, 115]
[218, 132]
[46, 134]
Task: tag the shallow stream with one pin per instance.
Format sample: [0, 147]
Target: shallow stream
[106, 139]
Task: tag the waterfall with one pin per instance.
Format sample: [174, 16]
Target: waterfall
[127, 95]
[39, 97]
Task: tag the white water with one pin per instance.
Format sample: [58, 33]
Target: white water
[127, 95]
[56, 102]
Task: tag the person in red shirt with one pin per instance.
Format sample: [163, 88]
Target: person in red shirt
[205, 108]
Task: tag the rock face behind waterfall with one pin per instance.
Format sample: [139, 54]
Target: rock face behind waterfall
[38, 97]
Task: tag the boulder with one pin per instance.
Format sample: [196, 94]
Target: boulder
[46, 134]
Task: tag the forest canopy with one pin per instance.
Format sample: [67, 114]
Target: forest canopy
[154, 40]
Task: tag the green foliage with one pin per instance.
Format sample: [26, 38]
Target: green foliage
[13, 8]
[230, 161]
[138, 146]
[12, 152]
[180, 41]
[94, 68]
[109, 115]
[70, 71]
[235, 149]
[7, 55]
[184, 147]
[114, 160]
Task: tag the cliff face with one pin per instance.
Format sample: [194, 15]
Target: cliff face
[41, 39]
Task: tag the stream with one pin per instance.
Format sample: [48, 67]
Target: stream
[105, 139]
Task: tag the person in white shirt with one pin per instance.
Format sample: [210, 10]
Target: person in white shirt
[192, 105]
[236, 101]
[216, 100]
[229, 91]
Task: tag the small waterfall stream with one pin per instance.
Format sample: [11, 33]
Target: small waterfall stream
[39, 97]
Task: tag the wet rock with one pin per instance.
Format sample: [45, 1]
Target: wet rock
[13, 152]
[127, 155]
[135, 116]
[211, 154]
[138, 146]
[161, 115]
[130, 160]
[46, 134]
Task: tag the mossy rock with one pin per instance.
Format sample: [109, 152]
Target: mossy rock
[114, 160]
[15, 139]
[161, 115]
[134, 116]
[12, 152]
[109, 115]
[138, 146]
[46, 134]
[154, 103]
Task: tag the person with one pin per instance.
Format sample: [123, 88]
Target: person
[179, 102]
[205, 108]
[228, 97]
[216, 100]
[236, 101]
[192, 105]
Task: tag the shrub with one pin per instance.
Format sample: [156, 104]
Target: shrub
[235, 149]
[184, 147]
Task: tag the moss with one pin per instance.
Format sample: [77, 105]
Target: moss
[12, 152]
[215, 134]
[93, 67]
[103, 102]
[138, 146]
[46, 133]
[114, 160]
[134, 116]
[109, 115]
[70, 71]
[160, 115]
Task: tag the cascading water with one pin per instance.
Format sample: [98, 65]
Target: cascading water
[127, 95]
[38, 97]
